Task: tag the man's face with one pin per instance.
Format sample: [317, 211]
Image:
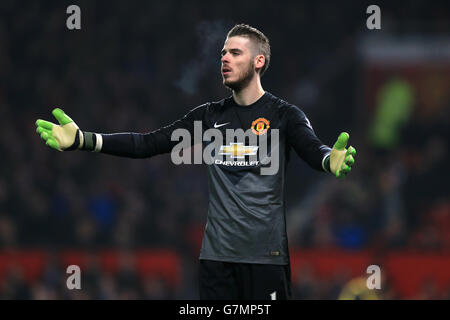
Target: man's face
[238, 67]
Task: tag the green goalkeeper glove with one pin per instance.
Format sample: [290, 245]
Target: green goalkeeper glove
[63, 137]
[67, 136]
[341, 160]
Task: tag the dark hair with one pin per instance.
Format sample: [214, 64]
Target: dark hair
[261, 41]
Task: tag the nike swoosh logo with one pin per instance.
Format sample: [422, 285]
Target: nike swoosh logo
[220, 125]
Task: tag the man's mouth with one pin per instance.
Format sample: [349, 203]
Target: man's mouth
[226, 70]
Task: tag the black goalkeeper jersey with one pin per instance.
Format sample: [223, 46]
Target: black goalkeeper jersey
[246, 219]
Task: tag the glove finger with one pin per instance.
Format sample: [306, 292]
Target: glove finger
[341, 142]
[41, 130]
[349, 160]
[44, 124]
[345, 169]
[44, 136]
[52, 143]
[343, 175]
[61, 116]
[351, 151]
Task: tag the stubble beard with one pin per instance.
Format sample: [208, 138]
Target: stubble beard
[242, 82]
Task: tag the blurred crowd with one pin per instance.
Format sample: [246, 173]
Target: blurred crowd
[139, 65]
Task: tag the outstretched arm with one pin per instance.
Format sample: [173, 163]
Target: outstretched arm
[303, 139]
[301, 136]
[67, 136]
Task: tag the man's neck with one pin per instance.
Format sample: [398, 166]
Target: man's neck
[250, 94]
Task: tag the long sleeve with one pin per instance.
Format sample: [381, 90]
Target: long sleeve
[301, 137]
[145, 145]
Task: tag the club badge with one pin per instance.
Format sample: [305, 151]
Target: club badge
[260, 126]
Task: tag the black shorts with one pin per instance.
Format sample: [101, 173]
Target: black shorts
[244, 281]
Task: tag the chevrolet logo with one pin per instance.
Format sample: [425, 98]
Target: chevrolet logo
[238, 150]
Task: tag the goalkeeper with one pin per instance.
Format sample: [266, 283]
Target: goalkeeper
[244, 253]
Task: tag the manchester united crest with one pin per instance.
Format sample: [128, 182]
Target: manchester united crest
[260, 126]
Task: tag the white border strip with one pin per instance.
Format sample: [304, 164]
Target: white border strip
[98, 143]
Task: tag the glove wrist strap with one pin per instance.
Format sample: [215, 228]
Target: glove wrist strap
[81, 137]
[92, 141]
[326, 164]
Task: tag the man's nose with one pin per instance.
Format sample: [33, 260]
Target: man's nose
[225, 58]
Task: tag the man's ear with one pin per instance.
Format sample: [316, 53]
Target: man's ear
[260, 60]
